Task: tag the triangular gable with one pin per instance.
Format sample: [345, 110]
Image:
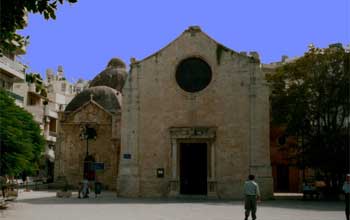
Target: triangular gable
[86, 104]
[197, 30]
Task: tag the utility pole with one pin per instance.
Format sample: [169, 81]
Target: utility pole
[87, 133]
[87, 144]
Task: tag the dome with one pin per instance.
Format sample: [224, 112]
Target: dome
[103, 95]
[116, 63]
[113, 76]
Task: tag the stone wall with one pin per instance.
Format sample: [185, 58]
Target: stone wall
[71, 150]
[235, 103]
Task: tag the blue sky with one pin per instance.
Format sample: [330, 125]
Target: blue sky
[86, 35]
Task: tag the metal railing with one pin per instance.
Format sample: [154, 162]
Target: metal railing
[15, 96]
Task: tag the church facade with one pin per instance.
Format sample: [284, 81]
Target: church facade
[194, 121]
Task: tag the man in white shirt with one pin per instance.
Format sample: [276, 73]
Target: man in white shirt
[346, 189]
[252, 195]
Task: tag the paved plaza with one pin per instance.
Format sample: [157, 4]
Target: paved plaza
[44, 206]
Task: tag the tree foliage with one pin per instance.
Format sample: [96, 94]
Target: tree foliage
[310, 97]
[13, 15]
[21, 143]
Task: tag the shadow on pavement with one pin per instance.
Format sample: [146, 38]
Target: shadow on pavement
[305, 205]
[110, 198]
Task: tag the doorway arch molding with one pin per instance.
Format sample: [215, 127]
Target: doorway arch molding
[180, 135]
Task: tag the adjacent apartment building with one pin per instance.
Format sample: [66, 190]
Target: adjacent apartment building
[42, 98]
[12, 71]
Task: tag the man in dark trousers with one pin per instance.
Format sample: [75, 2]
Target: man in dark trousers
[252, 195]
[346, 189]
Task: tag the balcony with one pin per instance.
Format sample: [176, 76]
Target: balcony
[15, 96]
[49, 112]
[14, 68]
[19, 100]
[31, 88]
[50, 136]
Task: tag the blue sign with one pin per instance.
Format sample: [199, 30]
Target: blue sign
[99, 166]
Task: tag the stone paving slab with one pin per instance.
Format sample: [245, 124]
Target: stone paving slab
[45, 206]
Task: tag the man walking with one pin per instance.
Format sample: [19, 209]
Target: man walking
[346, 189]
[252, 195]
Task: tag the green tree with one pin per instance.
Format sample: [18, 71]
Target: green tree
[21, 144]
[310, 97]
[13, 17]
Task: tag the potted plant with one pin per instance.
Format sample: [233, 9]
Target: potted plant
[35, 83]
[43, 92]
[31, 82]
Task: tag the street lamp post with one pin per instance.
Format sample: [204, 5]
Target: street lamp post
[87, 133]
[84, 136]
[87, 145]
